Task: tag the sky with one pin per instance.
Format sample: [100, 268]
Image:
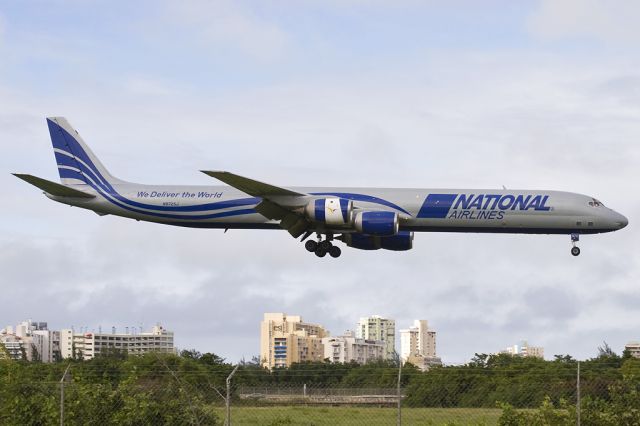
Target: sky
[457, 94]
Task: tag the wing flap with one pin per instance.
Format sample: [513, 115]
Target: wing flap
[271, 210]
[53, 188]
[292, 222]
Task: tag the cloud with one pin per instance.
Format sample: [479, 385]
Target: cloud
[225, 24]
[445, 118]
[149, 86]
[611, 21]
[2, 30]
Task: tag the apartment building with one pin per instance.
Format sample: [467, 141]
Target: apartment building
[376, 327]
[89, 344]
[286, 339]
[418, 345]
[349, 348]
[633, 348]
[523, 349]
[31, 341]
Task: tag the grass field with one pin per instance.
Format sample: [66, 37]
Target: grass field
[276, 416]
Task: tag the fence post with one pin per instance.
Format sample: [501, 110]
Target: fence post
[399, 422]
[578, 396]
[64, 376]
[227, 420]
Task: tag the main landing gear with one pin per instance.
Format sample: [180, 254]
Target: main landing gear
[323, 247]
[575, 250]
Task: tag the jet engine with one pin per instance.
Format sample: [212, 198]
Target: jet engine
[332, 211]
[402, 241]
[378, 223]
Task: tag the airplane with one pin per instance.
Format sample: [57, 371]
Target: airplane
[362, 218]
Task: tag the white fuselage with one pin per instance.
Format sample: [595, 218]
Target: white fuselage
[421, 210]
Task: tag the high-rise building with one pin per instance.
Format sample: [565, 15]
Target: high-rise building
[417, 340]
[89, 345]
[286, 339]
[349, 348]
[31, 341]
[418, 345]
[376, 327]
[523, 349]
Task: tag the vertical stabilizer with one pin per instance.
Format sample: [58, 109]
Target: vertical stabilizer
[77, 164]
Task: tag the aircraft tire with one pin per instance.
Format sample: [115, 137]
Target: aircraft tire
[575, 251]
[320, 252]
[325, 245]
[335, 252]
[311, 245]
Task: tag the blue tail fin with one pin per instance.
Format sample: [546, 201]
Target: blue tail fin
[76, 163]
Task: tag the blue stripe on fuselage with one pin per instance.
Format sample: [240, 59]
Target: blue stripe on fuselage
[64, 141]
[75, 175]
[436, 206]
[68, 161]
[365, 198]
[94, 179]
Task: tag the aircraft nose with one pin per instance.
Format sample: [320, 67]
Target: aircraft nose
[620, 220]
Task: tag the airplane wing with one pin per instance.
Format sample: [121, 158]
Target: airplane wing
[250, 186]
[53, 188]
[277, 203]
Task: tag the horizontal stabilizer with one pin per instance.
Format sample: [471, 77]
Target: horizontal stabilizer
[250, 186]
[53, 188]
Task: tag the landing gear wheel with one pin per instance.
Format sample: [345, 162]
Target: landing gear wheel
[335, 251]
[311, 245]
[575, 251]
[321, 252]
[325, 245]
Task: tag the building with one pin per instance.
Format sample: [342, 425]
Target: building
[349, 348]
[523, 349]
[286, 339]
[89, 345]
[417, 340]
[376, 327]
[14, 347]
[633, 348]
[418, 345]
[31, 341]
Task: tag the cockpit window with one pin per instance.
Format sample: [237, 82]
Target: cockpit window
[595, 203]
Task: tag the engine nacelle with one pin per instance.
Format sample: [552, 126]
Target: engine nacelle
[361, 242]
[332, 211]
[400, 242]
[378, 223]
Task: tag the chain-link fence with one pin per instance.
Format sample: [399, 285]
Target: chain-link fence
[173, 393]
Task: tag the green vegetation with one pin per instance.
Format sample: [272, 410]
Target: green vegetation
[622, 407]
[190, 389]
[272, 416]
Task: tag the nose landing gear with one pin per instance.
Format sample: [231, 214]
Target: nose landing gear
[575, 250]
[323, 247]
